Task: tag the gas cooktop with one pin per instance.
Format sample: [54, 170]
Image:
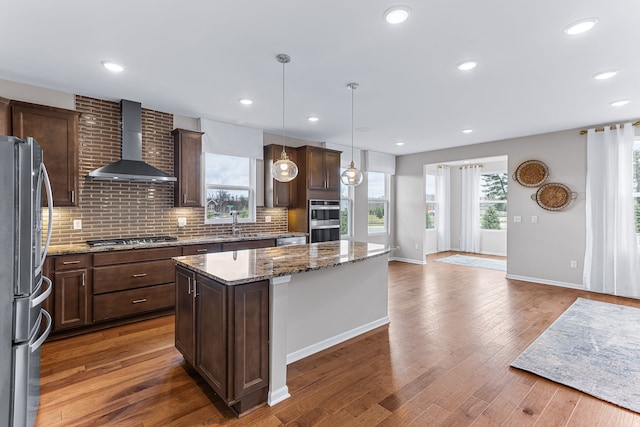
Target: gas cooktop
[130, 241]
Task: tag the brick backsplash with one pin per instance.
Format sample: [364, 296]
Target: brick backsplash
[126, 209]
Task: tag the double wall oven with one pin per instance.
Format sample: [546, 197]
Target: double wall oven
[324, 220]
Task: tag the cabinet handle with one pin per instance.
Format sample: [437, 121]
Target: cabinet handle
[70, 262]
[195, 284]
[140, 275]
[201, 250]
[184, 198]
[83, 280]
[189, 286]
[73, 196]
[138, 301]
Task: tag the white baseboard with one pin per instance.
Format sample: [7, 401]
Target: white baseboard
[409, 260]
[330, 342]
[546, 282]
[278, 395]
[493, 253]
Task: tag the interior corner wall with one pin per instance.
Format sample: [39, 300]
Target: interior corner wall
[539, 251]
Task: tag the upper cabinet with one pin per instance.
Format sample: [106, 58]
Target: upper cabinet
[319, 172]
[56, 130]
[277, 194]
[5, 117]
[187, 158]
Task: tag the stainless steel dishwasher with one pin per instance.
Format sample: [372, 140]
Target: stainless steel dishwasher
[291, 241]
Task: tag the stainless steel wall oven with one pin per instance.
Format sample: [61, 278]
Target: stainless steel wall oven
[324, 220]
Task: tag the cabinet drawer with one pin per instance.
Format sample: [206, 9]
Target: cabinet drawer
[134, 275]
[248, 244]
[135, 301]
[202, 249]
[70, 262]
[122, 257]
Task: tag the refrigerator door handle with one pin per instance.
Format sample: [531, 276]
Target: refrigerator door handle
[47, 185]
[44, 295]
[37, 343]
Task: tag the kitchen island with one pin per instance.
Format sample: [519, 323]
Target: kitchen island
[310, 297]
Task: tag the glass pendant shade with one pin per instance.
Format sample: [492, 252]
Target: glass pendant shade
[351, 176]
[284, 170]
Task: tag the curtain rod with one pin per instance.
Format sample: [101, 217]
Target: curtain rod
[584, 131]
[471, 166]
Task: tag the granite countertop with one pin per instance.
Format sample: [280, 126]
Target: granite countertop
[76, 248]
[252, 265]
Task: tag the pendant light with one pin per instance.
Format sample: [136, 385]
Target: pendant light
[352, 176]
[284, 170]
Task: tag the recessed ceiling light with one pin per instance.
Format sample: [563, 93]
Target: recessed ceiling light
[112, 66]
[397, 14]
[619, 103]
[467, 130]
[313, 118]
[399, 143]
[246, 101]
[605, 75]
[580, 26]
[467, 65]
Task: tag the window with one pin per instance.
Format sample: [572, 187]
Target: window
[378, 222]
[229, 186]
[493, 201]
[431, 204]
[636, 185]
[346, 209]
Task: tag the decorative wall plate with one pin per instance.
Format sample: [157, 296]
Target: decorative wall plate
[554, 196]
[531, 173]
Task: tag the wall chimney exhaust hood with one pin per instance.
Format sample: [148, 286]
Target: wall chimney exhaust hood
[130, 167]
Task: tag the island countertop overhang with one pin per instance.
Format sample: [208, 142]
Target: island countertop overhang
[252, 265]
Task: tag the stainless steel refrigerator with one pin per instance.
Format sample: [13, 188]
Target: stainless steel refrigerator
[24, 325]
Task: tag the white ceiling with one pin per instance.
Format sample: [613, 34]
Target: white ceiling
[196, 58]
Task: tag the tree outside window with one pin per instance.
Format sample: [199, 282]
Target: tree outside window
[229, 186]
[378, 202]
[493, 201]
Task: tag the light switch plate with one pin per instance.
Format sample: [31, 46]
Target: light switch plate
[517, 218]
[182, 222]
[534, 219]
[77, 224]
[267, 218]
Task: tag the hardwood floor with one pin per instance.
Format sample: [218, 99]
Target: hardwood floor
[443, 360]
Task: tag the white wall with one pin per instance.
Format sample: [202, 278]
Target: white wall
[538, 252]
[37, 95]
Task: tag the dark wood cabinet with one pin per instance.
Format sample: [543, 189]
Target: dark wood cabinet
[56, 130]
[230, 325]
[318, 178]
[205, 248]
[322, 167]
[5, 117]
[277, 194]
[71, 291]
[248, 244]
[187, 159]
[185, 318]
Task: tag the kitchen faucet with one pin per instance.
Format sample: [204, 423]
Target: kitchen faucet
[234, 218]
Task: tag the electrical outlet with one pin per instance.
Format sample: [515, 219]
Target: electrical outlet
[267, 218]
[416, 246]
[77, 224]
[534, 219]
[182, 222]
[574, 264]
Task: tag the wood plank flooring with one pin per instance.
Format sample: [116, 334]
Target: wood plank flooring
[443, 360]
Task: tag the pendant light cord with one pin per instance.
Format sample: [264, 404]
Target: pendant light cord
[352, 89]
[284, 138]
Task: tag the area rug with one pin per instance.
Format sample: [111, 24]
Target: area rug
[593, 347]
[474, 261]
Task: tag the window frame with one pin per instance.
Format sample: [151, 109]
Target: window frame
[350, 204]
[251, 188]
[379, 231]
[433, 203]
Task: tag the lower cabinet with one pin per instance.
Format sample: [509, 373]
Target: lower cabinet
[223, 331]
[71, 291]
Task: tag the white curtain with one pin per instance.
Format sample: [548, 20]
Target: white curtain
[470, 227]
[611, 256]
[443, 219]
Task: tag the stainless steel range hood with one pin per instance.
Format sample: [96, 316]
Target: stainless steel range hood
[130, 167]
